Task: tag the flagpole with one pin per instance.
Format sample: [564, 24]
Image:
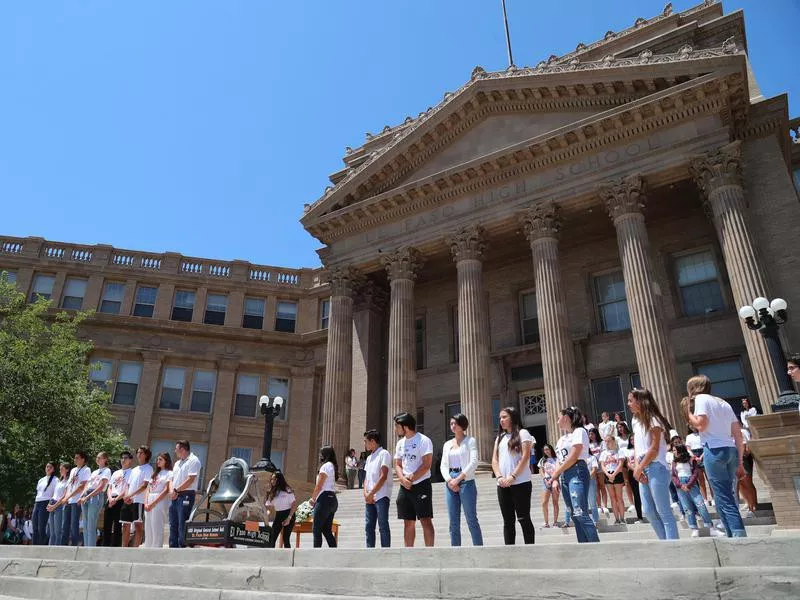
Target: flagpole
[508, 35]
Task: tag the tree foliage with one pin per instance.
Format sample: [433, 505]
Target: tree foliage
[48, 407]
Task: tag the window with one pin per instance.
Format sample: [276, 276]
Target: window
[43, 287]
[419, 332]
[727, 380]
[530, 318]
[216, 307]
[611, 302]
[279, 386]
[127, 383]
[607, 393]
[421, 420]
[172, 388]
[324, 313]
[183, 308]
[145, 301]
[286, 316]
[636, 381]
[253, 313]
[203, 391]
[450, 411]
[74, 292]
[527, 372]
[100, 373]
[277, 458]
[112, 298]
[699, 286]
[200, 450]
[11, 276]
[246, 454]
[246, 396]
[454, 327]
[496, 414]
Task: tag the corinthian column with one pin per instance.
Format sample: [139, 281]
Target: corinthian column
[402, 266]
[625, 201]
[542, 225]
[719, 175]
[467, 247]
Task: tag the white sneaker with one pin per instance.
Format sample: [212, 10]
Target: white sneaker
[749, 514]
[683, 518]
[714, 532]
[631, 508]
[711, 502]
[695, 533]
[674, 505]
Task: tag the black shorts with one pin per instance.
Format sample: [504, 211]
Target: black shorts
[699, 454]
[416, 503]
[131, 512]
[618, 480]
[747, 463]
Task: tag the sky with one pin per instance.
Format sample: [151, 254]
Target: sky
[204, 126]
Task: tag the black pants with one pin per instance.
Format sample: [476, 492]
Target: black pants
[324, 510]
[637, 499]
[515, 505]
[278, 528]
[112, 528]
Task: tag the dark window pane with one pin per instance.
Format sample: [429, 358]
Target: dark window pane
[110, 307]
[608, 397]
[36, 295]
[146, 295]
[201, 401]
[286, 325]
[253, 322]
[636, 381]
[530, 331]
[125, 394]
[182, 314]
[143, 310]
[214, 317]
[245, 405]
[171, 398]
[419, 332]
[527, 372]
[615, 317]
[702, 298]
[72, 302]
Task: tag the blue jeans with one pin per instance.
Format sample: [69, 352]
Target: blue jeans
[575, 491]
[179, 511]
[39, 519]
[468, 498]
[71, 525]
[693, 503]
[90, 511]
[54, 523]
[656, 501]
[378, 513]
[721, 465]
[593, 499]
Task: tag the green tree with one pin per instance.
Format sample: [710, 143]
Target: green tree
[48, 407]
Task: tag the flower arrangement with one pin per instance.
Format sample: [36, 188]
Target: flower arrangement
[303, 512]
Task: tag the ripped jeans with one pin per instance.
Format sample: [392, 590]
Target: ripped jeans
[575, 486]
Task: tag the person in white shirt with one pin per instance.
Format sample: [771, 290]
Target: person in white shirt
[611, 466]
[156, 502]
[93, 498]
[185, 481]
[606, 427]
[55, 522]
[723, 448]
[587, 423]
[695, 445]
[45, 489]
[572, 453]
[747, 411]
[78, 478]
[323, 498]
[459, 461]
[650, 430]
[552, 488]
[510, 458]
[377, 489]
[133, 511]
[413, 457]
[351, 468]
[282, 500]
[112, 528]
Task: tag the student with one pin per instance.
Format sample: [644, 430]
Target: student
[283, 501]
[587, 423]
[459, 461]
[611, 463]
[695, 445]
[185, 481]
[746, 488]
[156, 502]
[624, 443]
[596, 446]
[377, 489]
[684, 476]
[650, 430]
[55, 523]
[351, 468]
[361, 466]
[413, 457]
[93, 498]
[510, 457]
[78, 478]
[552, 488]
[594, 470]
[747, 411]
[135, 495]
[606, 426]
[112, 528]
[323, 498]
[45, 489]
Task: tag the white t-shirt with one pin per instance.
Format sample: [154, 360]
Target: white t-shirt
[138, 476]
[454, 458]
[45, 491]
[592, 464]
[411, 451]
[745, 414]
[330, 479]
[547, 465]
[118, 481]
[595, 449]
[694, 442]
[185, 468]
[159, 485]
[643, 439]
[606, 429]
[720, 418]
[509, 459]
[610, 460]
[589, 426]
[76, 478]
[61, 489]
[684, 470]
[375, 462]
[96, 477]
[282, 501]
[568, 440]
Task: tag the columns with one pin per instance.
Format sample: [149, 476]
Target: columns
[402, 266]
[467, 247]
[221, 415]
[625, 201]
[301, 408]
[542, 225]
[145, 399]
[719, 175]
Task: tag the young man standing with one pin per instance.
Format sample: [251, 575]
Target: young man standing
[377, 489]
[185, 476]
[133, 511]
[112, 532]
[412, 463]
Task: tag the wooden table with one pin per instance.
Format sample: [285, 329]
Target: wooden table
[307, 527]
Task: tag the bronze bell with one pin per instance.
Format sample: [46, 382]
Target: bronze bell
[231, 479]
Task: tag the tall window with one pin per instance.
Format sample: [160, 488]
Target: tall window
[172, 388]
[421, 420]
[529, 317]
[727, 380]
[74, 292]
[43, 287]
[112, 298]
[454, 327]
[450, 411]
[127, 383]
[145, 301]
[286, 316]
[279, 386]
[11, 276]
[183, 308]
[324, 313]
[607, 393]
[100, 373]
[419, 339]
[246, 396]
[699, 284]
[203, 391]
[216, 307]
[246, 454]
[611, 302]
[253, 313]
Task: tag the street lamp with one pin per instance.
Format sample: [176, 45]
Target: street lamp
[270, 408]
[767, 317]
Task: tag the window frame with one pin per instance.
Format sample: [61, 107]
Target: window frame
[34, 293]
[237, 394]
[194, 389]
[162, 387]
[522, 319]
[65, 296]
[283, 416]
[103, 385]
[734, 401]
[183, 308]
[245, 314]
[296, 314]
[420, 346]
[103, 300]
[598, 304]
[136, 302]
[718, 278]
[324, 315]
[215, 313]
[118, 381]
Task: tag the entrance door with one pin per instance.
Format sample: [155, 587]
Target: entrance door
[533, 409]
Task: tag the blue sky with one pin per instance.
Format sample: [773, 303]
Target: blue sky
[202, 127]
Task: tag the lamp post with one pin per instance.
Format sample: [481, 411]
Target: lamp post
[270, 408]
[767, 317]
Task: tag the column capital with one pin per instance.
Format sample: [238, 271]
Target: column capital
[304, 371]
[541, 221]
[718, 168]
[403, 263]
[624, 196]
[343, 280]
[467, 243]
[370, 295]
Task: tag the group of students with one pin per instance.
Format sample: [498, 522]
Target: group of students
[136, 500]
